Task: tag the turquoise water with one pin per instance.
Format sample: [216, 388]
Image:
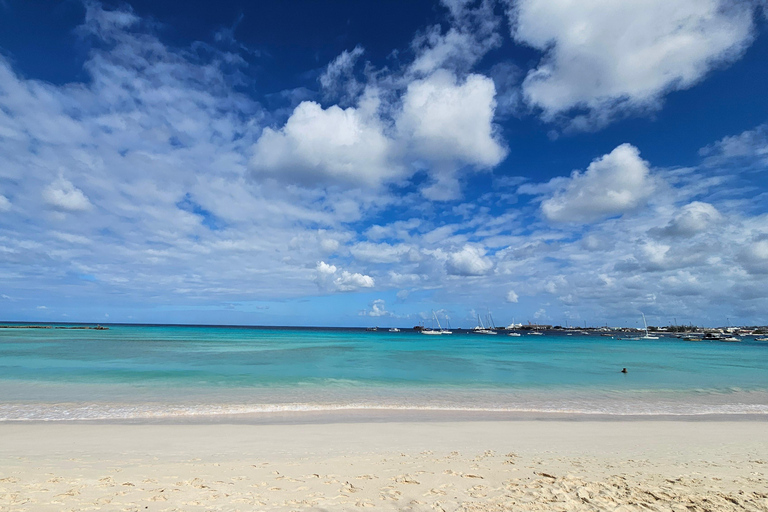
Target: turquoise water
[167, 371]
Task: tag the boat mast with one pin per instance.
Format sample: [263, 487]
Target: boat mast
[436, 320]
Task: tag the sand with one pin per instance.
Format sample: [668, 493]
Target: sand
[414, 465]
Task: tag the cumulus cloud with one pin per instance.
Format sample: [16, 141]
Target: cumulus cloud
[754, 255]
[469, 261]
[333, 145]
[378, 309]
[63, 195]
[432, 115]
[5, 204]
[448, 120]
[333, 278]
[692, 219]
[610, 58]
[512, 296]
[613, 184]
[443, 123]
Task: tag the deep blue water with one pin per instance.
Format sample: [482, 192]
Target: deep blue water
[140, 371]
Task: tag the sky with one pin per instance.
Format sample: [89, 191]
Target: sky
[357, 163]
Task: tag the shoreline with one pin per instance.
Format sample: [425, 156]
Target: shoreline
[469, 466]
[374, 415]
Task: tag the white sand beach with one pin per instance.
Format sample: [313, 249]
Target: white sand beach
[431, 465]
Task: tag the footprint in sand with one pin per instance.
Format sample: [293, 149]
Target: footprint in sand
[390, 493]
[478, 491]
[405, 479]
[348, 487]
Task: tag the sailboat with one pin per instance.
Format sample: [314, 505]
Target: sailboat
[439, 329]
[647, 336]
[448, 330]
[480, 329]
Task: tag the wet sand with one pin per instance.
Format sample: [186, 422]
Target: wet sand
[404, 465]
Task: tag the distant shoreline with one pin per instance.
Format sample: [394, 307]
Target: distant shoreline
[757, 329]
[96, 327]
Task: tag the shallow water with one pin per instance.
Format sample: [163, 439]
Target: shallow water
[130, 372]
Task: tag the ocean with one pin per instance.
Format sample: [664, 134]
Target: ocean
[161, 373]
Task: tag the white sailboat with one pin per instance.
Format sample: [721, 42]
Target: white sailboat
[647, 336]
[481, 329]
[439, 329]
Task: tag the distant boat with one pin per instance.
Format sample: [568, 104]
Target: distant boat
[513, 334]
[761, 339]
[372, 329]
[481, 329]
[730, 338]
[647, 336]
[394, 329]
[439, 329]
[535, 333]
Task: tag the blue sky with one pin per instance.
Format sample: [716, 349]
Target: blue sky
[365, 163]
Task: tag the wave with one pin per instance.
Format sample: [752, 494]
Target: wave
[126, 412]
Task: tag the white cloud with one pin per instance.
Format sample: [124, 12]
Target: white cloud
[472, 34]
[692, 219]
[5, 204]
[512, 296]
[450, 121]
[613, 184]
[333, 145]
[469, 261]
[609, 58]
[754, 256]
[378, 309]
[338, 80]
[333, 278]
[63, 195]
[329, 245]
[442, 124]
[379, 253]
[750, 146]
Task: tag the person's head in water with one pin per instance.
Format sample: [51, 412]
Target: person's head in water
[623, 370]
